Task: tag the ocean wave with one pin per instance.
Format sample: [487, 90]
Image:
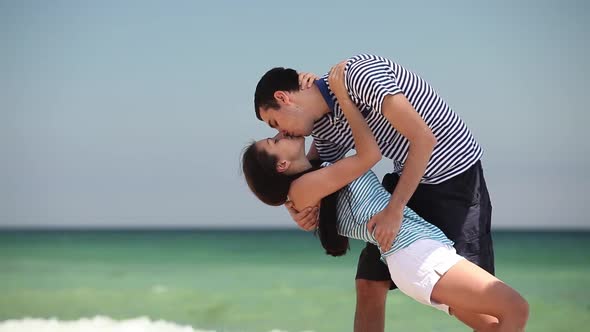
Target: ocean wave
[97, 324]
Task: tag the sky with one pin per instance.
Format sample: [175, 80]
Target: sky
[135, 113]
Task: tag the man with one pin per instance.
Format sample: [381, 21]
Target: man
[436, 162]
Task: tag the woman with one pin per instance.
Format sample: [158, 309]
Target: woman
[422, 260]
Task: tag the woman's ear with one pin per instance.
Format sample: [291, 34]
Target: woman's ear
[283, 165]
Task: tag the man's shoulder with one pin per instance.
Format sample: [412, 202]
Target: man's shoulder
[360, 66]
[367, 58]
[361, 60]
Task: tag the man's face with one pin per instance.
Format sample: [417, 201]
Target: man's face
[289, 119]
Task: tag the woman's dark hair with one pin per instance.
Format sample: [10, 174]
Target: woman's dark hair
[272, 188]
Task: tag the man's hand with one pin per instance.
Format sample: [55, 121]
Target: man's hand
[306, 219]
[386, 225]
[306, 80]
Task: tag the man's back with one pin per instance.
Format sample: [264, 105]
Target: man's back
[369, 79]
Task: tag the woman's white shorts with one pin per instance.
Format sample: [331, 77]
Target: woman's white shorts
[418, 267]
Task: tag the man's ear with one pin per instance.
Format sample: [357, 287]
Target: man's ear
[282, 97]
[283, 165]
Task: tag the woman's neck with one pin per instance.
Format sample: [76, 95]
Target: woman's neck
[299, 166]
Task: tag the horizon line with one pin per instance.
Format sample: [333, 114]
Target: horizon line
[240, 229]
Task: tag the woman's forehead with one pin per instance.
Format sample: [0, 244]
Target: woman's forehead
[262, 144]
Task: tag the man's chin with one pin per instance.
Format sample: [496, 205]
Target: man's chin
[307, 133]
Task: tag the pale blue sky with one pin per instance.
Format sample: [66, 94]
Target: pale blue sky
[134, 113]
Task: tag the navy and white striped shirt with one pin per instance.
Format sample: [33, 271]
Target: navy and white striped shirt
[364, 197]
[369, 79]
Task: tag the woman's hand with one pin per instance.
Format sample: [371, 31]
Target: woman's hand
[306, 80]
[336, 81]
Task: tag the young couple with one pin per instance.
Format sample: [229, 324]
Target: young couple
[431, 236]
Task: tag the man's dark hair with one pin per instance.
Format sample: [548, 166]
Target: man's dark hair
[276, 79]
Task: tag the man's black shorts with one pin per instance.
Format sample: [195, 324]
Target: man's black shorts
[460, 207]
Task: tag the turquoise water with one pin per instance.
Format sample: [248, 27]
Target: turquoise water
[258, 280]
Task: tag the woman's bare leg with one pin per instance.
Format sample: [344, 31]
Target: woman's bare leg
[478, 322]
[468, 288]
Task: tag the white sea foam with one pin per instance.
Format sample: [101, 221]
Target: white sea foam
[158, 289]
[97, 324]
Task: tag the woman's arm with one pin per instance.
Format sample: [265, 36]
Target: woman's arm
[367, 150]
[314, 186]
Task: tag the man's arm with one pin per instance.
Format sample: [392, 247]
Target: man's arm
[404, 118]
[372, 81]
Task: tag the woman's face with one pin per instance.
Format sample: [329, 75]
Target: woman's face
[285, 148]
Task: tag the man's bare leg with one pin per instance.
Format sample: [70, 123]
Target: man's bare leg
[370, 305]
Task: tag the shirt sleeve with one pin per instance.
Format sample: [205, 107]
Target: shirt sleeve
[329, 151]
[370, 80]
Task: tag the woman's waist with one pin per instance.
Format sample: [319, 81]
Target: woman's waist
[410, 230]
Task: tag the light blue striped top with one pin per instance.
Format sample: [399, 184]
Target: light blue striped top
[365, 197]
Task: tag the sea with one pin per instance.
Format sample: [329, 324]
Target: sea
[187, 280]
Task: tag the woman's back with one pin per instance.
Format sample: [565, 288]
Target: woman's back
[365, 197]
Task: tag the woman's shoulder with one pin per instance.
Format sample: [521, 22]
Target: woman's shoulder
[299, 191]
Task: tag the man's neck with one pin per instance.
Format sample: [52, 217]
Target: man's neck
[319, 105]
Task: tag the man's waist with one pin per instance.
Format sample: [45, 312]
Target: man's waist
[435, 176]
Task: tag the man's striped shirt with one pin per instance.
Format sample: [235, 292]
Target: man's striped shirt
[369, 79]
